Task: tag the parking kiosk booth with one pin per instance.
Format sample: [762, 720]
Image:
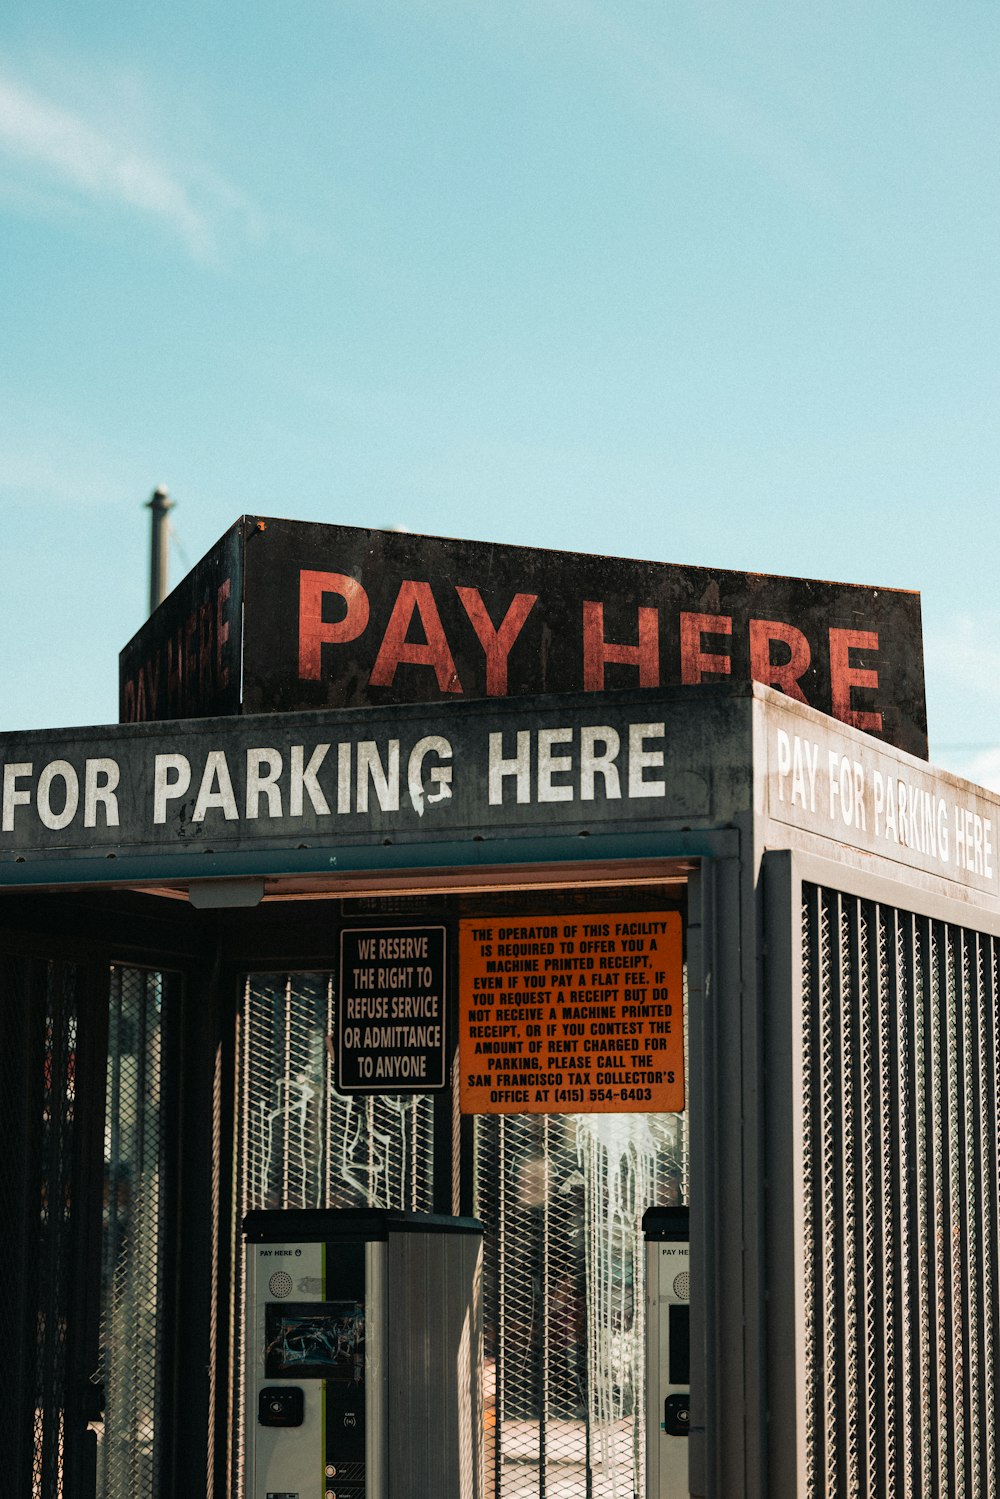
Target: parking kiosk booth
[546, 963]
[363, 1364]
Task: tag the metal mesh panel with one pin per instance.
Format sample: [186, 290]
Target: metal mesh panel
[132, 1239]
[18, 1208]
[300, 1143]
[562, 1199]
[901, 1180]
[55, 1213]
[303, 1144]
[39, 1025]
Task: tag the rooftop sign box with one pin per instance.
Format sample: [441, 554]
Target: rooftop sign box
[285, 615]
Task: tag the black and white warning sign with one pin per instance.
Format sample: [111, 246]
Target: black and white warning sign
[391, 1009]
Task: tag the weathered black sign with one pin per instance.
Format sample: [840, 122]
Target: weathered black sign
[185, 663]
[408, 774]
[335, 616]
[470, 783]
[391, 1010]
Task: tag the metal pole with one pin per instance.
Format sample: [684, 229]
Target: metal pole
[161, 504]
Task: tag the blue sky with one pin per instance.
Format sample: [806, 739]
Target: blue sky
[681, 279]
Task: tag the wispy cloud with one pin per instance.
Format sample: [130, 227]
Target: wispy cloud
[63, 150]
[56, 462]
[650, 72]
[772, 128]
[962, 658]
[963, 649]
[981, 766]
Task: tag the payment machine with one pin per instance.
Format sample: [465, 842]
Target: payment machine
[668, 1344]
[363, 1355]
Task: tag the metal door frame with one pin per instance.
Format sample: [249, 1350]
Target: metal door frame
[99, 929]
[717, 961]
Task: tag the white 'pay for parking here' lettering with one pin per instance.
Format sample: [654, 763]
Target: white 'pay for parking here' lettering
[800, 758]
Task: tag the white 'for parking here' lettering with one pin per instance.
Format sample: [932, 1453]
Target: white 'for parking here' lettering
[55, 793]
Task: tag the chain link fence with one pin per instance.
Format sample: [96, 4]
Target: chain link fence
[132, 1336]
[301, 1144]
[41, 1005]
[562, 1200]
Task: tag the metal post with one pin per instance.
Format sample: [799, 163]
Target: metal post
[161, 504]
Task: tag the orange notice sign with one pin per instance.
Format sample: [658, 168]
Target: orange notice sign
[571, 1015]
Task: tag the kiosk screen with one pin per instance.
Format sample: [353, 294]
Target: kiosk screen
[315, 1340]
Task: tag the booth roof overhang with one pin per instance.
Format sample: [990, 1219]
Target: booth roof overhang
[634, 784]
